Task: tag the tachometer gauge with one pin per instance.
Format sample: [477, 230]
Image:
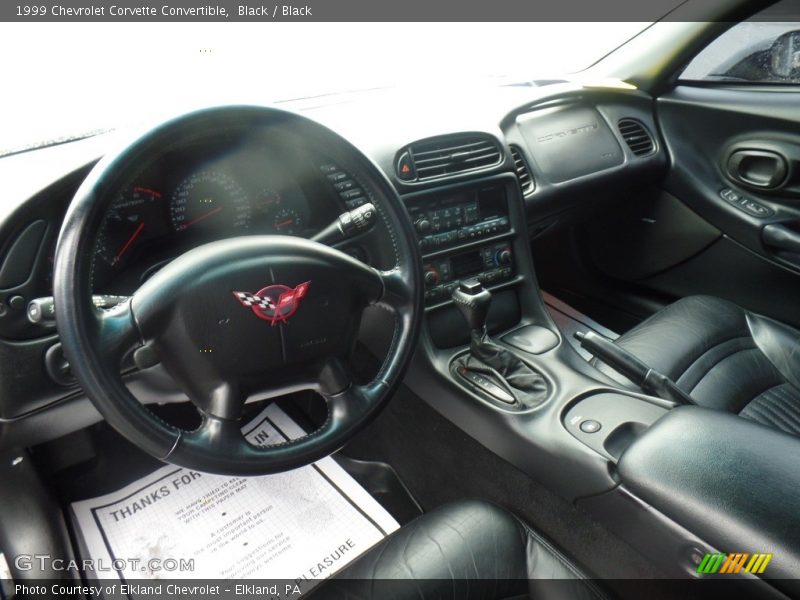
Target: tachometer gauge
[287, 221]
[209, 200]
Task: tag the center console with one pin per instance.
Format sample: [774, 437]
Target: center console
[508, 378]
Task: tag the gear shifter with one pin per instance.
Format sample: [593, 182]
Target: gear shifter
[473, 300]
[494, 370]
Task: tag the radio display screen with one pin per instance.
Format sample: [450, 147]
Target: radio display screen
[466, 207]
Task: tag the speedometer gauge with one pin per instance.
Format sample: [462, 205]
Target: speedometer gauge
[209, 200]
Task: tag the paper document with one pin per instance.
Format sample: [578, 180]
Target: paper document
[305, 524]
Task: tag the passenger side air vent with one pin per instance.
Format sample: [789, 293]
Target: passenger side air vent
[636, 136]
[526, 181]
[449, 155]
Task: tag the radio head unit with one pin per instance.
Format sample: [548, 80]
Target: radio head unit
[458, 217]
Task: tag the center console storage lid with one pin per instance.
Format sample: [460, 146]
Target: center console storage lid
[732, 482]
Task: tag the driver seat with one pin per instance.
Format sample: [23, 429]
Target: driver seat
[468, 549]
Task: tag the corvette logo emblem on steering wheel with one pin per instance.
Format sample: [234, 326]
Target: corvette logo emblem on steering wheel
[274, 303]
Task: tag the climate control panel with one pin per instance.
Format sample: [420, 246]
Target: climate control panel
[489, 264]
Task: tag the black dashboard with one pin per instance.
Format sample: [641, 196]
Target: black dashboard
[478, 185]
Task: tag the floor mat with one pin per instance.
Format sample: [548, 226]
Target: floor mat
[570, 321]
[305, 524]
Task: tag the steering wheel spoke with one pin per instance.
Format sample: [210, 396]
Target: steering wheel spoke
[222, 436]
[398, 293]
[116, 332]
[353, 404]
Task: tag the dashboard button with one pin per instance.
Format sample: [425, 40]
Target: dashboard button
[338, 176]
[405, 168]
[17, 302]
[423, 225]
[351, 193]
[756, 209]
[590, 426]
[745, 204]
[355, 203]
[343, 186]
[431, 276]
[503, 257]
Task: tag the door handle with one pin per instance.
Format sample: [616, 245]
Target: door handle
[762, 169]
[782, 238]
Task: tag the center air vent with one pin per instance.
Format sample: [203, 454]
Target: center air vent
[522, 170]
[448, 155]
[636, 136]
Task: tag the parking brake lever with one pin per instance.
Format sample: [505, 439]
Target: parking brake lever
[622, 361]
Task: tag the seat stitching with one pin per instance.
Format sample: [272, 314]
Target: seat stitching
[772, 421]
[718, 361]
[789, 401]
[767, 415]
[563, 560]
[709, 349]
[554, 552]
[769, 387]
[762, 392]
[787, 396]
[779, 388]
[773, 415]
[773, 411]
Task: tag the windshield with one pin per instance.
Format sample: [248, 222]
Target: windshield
[71, 79]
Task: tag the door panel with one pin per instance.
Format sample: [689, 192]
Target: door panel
[734, 172]
[736, 162]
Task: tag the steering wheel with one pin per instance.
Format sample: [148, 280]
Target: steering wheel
[235, 297]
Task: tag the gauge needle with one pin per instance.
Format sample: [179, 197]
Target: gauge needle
[284, 223]
[202, 217]
[127, 244]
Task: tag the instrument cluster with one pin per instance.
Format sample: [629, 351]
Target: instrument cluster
[184, 199]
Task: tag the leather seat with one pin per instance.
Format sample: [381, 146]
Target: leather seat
[724, 357]
[469, 549]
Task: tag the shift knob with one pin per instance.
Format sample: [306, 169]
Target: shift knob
[473, 300]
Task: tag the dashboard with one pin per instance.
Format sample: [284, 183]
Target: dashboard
[543, 157]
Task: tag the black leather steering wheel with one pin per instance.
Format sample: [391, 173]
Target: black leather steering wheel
[192, 304]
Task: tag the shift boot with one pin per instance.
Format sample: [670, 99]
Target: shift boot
[495, 370]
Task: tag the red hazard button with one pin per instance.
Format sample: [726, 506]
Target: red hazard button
[405, 167]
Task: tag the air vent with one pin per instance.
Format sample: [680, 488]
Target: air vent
[446, 156]
[523, 171]
[636, 136]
